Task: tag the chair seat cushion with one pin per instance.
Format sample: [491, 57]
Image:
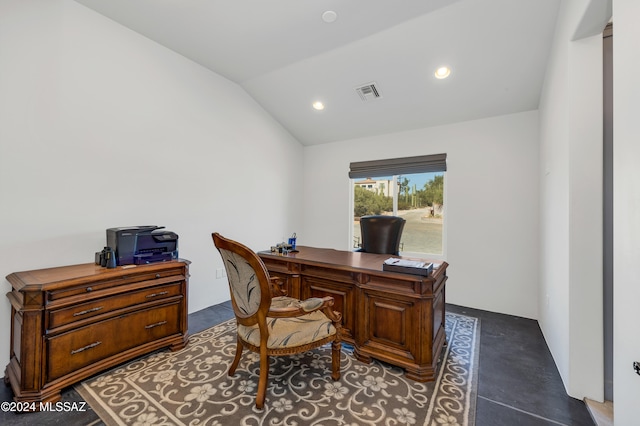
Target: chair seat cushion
[290, 332]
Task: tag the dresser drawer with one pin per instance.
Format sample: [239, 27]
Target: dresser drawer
[109, 283]
[81, 311]
[81, 347]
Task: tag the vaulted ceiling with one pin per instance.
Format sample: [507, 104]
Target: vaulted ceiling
[286, 56]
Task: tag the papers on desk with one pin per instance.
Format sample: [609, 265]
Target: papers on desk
[406, 266]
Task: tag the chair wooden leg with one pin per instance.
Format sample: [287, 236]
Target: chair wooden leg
[335, 359]
[264, 377]
[236, 360]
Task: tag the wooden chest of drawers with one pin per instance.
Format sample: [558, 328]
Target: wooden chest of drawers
[71, 322]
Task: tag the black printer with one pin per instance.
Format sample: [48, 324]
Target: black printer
[137, 245]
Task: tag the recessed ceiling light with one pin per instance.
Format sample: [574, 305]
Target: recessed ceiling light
[329, 16]
[442, 72]
[318, 106]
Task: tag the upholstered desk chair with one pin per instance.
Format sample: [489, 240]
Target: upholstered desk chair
[270, 323]
[381, 234]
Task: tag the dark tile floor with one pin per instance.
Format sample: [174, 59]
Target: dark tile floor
[518, 382]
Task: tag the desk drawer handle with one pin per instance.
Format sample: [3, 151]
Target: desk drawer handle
[93, 345]
[77, 314]
[162, 293]
[155, 325]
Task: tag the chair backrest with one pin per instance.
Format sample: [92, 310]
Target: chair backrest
[248, 280]
[381, 234]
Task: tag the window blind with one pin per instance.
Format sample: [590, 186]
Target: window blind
[398, 166]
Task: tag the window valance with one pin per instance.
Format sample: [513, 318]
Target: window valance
[398, 166]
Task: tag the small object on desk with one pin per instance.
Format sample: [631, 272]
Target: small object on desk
[406, 266]
[292, 242]
[111, 258]
[282, 248]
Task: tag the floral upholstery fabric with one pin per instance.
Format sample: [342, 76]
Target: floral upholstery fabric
[291, 332]
[289, 302]
[243, 282]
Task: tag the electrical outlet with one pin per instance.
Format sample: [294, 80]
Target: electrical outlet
[219, 273]
[636, 367]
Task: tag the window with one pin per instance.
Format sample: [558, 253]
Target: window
[415, 191]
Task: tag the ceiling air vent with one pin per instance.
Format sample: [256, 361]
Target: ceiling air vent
[368, 92]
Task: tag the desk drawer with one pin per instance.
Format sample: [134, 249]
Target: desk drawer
[105, 305]
[328, 273]
[79, 348]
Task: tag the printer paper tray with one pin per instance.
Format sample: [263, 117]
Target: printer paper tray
[144, 258]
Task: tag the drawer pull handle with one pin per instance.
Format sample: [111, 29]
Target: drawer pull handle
[93, 345]
[89, 289]
[157, 275]
[162, 293]
[77, 314]
[155, 325]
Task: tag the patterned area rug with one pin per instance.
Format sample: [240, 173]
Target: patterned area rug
[191, 387]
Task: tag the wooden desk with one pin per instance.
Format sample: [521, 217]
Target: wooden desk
[396, 318]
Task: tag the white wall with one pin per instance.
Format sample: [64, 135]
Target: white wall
[491, 190]
[571, 205]
[626, 97]
[100, 127]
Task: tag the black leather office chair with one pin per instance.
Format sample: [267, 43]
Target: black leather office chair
[381, 234]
